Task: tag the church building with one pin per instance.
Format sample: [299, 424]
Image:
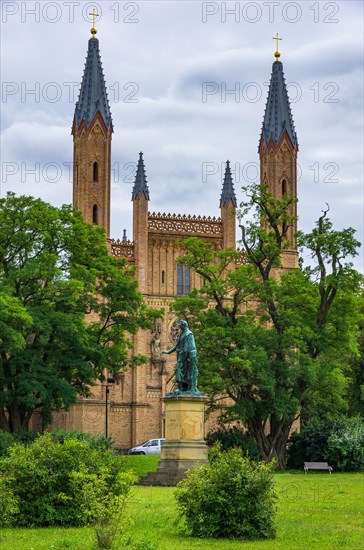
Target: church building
[132, 406]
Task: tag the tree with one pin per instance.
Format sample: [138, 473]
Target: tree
[355, 373]
[278, 340]
[69, 309]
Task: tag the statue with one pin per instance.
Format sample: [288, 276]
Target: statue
[186, 369]
[156, 348]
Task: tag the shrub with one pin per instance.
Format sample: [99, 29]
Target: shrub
[340, 442]
[232, 496]
[40, 476]
[6, 441]
[345, 446]
[99, 442]
[310, 444]
[103, 501]
[8, 504]
[234, 437]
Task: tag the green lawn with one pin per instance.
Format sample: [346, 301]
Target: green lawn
[316, 511]
[142, 465]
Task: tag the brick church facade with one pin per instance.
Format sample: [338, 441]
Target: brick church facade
[134, 407]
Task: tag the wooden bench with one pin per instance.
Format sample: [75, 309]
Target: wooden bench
[317, 466]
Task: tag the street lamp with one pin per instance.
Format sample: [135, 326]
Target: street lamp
[107, 390]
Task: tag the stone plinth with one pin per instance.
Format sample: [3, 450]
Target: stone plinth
[184, 445]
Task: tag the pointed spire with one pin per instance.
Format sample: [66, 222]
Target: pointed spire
[93, 97]
[278, 116]
[140, 184]
[228, 193]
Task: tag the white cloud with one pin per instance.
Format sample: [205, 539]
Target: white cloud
[168, 54]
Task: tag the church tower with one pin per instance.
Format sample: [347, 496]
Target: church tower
[140, 198]
[92, 131]
[278, 150]
[228, 210]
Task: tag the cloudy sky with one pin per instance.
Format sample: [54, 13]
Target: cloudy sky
[187, 83]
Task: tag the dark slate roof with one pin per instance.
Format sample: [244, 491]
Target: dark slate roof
[228, 193]
[140, 184]
[93, 96]
[278, 116]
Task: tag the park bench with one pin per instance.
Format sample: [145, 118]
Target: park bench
[317, 466]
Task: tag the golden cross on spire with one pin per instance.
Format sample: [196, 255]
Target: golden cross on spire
[94, 15]
[277, 53]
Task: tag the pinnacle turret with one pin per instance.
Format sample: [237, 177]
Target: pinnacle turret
[140, 184]
[278, 116]
[228, 193]
[93, 97]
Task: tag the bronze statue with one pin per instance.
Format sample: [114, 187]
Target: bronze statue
[186, 369]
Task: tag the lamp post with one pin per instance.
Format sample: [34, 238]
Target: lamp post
[107, 390]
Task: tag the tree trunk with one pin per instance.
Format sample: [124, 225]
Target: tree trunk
[18, 418]
[271, 445]
[4, 423]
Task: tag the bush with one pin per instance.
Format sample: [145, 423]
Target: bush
[340, 442]
[345, 446]
[234, 437]
[103, 500]
[8, 439]
[8, 503]
[41, 478]
[99, 442]
[308, 445]
[232, 496]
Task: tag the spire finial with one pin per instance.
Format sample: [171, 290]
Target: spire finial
[140, 184]
[228, 193]
[277, 54]
[94, 15]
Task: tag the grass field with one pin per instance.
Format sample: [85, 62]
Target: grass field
[315, 512]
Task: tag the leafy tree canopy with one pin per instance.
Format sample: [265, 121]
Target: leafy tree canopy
[68, 309]
[278, 340]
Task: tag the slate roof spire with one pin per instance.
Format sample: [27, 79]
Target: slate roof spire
[278, 116]
[228, 193]
[93, 96]
[140, 184]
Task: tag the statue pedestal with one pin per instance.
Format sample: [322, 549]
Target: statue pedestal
[184, 445]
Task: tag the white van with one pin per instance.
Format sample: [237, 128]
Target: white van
[150, 447]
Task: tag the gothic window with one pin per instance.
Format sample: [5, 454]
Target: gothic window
[94, 214]
[183, 279]
[284, 191]
[284, 187]
[95, 172]
[163, 281]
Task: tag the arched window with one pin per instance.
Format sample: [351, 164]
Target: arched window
[94, 214]
[183, 279]
[163, 281]
[284, 191]
[284, 187]
[95, 172]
